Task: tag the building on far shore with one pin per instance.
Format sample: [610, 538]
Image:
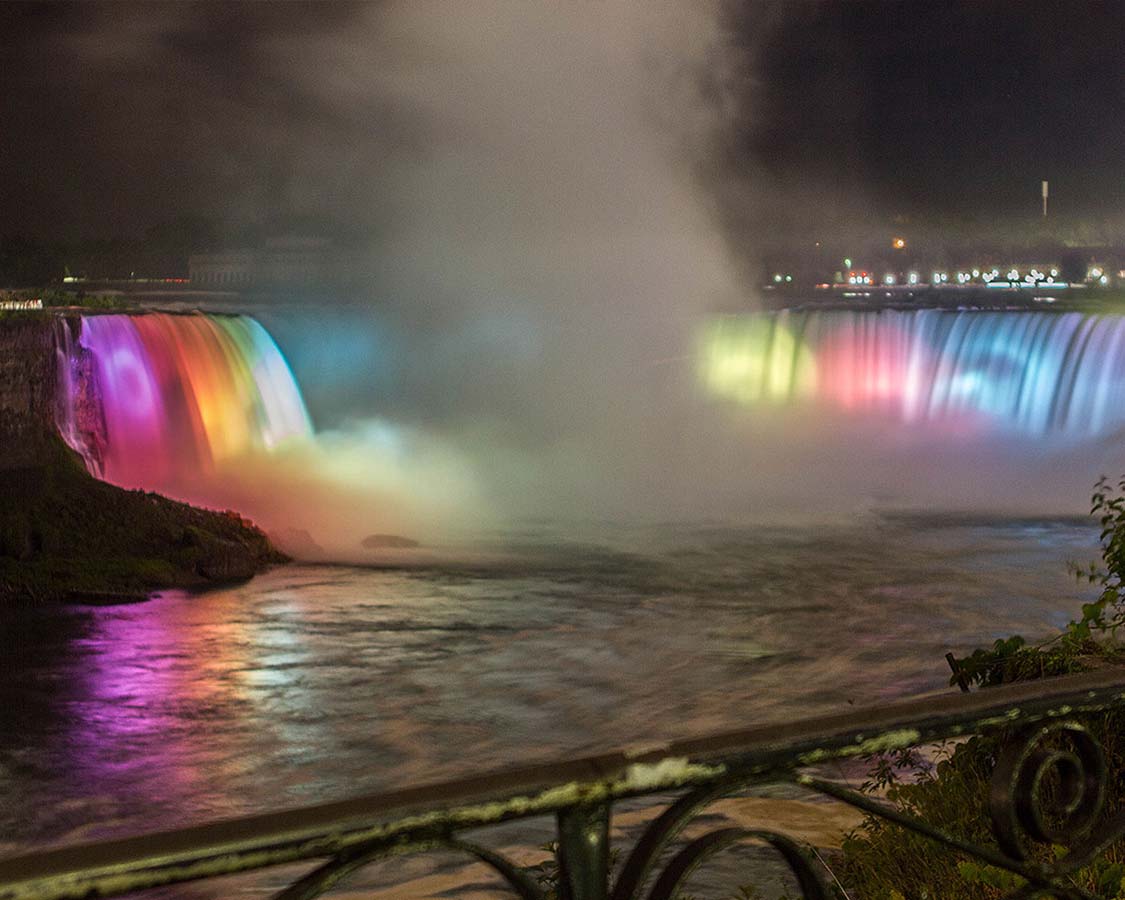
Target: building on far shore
[280, 262]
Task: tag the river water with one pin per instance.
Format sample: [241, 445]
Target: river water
[311, 683]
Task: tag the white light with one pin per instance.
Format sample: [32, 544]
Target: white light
[851, 279]
[776, 278]
[913, 278]
[888, 279]
[1013, 274]
[788, 277]
[1095, 272]
[1054, 273]
[976, 273]
[1104, 279]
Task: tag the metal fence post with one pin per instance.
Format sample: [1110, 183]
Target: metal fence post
[584, 852]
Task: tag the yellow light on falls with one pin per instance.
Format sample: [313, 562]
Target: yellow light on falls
[755, 360]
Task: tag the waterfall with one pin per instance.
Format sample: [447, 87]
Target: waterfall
[175, 395]
[1039, 373]
[66, 411]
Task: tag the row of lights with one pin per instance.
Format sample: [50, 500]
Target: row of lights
[1034, 276]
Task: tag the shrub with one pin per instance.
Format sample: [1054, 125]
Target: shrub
[881, 861]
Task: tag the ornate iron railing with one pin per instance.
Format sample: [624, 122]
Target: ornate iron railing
[348, 835]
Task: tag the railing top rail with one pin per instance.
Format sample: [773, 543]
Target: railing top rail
[412, 814]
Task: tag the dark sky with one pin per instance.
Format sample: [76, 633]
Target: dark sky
[955, 108]
[115, 116]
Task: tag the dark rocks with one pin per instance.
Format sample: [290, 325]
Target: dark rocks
[296, 542]
[64, 534]
[28, 385]
[227, 561]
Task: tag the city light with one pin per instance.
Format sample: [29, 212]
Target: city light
[898, 243]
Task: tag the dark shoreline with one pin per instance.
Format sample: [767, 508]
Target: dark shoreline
[67, 537]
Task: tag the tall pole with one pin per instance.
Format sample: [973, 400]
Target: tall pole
[1044, 199]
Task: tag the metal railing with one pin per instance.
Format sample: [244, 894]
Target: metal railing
[1038, 718]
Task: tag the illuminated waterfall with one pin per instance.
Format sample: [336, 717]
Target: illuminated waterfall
[175, 395]
[1035, 372]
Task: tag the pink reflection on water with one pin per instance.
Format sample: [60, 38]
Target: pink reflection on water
[168, 685]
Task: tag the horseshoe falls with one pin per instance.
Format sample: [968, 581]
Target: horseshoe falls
[1036, 373]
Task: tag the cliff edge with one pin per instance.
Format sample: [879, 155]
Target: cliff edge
[64, 535]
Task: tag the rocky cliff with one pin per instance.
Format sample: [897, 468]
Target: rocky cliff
[28, 385]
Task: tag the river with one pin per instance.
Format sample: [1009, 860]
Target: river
[311, 683]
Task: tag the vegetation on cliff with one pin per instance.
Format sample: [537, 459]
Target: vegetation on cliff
[64, 535]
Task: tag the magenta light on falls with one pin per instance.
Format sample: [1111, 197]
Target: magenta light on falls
[177, 394]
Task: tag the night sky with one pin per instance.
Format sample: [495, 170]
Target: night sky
[952, 108]
[115, 117]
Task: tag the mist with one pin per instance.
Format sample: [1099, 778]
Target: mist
[551, 244]
[551, 249]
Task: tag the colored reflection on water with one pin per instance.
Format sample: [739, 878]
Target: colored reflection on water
[314, 683]
[1033, 372]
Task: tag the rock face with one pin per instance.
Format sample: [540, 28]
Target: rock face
[28, 385]
[66, 535]
[296, 542]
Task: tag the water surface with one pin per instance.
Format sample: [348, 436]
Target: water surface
[312, 683]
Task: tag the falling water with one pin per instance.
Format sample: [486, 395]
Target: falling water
[66, 415]
[1037, 373]
[178, 394]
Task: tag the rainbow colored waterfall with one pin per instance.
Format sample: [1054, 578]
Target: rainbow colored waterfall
[175, 394]
[1034, 372]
